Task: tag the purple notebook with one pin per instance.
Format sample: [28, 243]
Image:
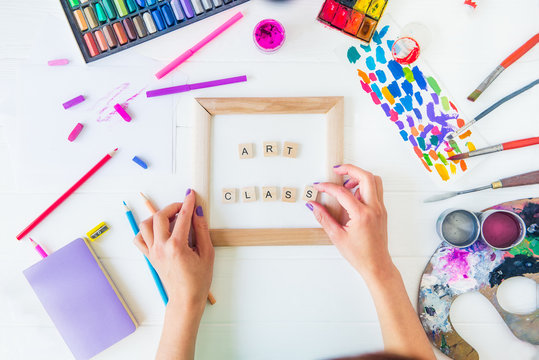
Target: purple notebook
[81, 300]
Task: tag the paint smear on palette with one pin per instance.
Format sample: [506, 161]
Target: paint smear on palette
[412, 99]
[106, 103]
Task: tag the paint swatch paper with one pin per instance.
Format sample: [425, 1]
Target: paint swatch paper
[412, 98]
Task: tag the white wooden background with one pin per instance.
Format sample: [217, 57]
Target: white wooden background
[284, 302]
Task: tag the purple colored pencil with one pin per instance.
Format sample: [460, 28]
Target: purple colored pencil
[189, 87]
[73, 102]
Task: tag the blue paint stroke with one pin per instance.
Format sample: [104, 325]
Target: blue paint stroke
[395, 69]
[404, 135]
[418, 98]
[381, 76]
[399, 124]
[426, 130]
[419, 78]
[366, 48]
[370, 63]
[380, 55]
[390, 44]
[377, 91]
[376, 37]
[407, 87]
[440, 119]
[353, 55]
[394, 89]
[385, 107]
[412, 140]
[410, 121]
[398, 108]
[407, 102]
[435, 98]
[383, 31]
[417, 113]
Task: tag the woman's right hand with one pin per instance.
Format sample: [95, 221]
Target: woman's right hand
[361, 233]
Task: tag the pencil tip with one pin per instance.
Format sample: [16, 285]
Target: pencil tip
[124, 203]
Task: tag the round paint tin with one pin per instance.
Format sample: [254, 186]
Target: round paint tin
[269, 35]
[405, 50]
[458, 227]
[502, 229]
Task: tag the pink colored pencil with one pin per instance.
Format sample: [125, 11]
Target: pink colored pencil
[39, 249]
[67, 194]
[186, 55]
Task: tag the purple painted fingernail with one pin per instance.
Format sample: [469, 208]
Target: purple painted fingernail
[309, 206]
[336, 166]
[187, 192]
[199, 211]
[346, 182]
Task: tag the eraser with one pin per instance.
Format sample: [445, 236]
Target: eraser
[58, 62]
[75, 132]
[73, 102]
[120, 110]
[140, 162]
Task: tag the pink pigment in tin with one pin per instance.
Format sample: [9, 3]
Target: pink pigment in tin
[269, 35]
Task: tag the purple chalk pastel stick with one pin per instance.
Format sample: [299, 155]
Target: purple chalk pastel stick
[73, 102]
[75, 132]
[122, 112]
[189, 87]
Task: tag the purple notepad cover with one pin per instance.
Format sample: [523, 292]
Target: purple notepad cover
[80, 300]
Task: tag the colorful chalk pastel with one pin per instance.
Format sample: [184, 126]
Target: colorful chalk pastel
[140, 162]
[75, 132]
[58, 62]
[189, 87]
[121, 111]
[73, 102]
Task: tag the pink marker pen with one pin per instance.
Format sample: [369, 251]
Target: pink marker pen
[39, 249]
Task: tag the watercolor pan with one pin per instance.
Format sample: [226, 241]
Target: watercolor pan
[355, 18]
[105, 27]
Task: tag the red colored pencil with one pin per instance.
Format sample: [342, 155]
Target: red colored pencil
[517, 54]
[67, 194]
[500, 147]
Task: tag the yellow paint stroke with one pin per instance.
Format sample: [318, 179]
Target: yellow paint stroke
[433, 155]
[466, 134]
[453, 169]
[442, 171]
[388, 95]
[450, 153]
[471, 146]
[414, 131]
[364, 76]
[421, 127]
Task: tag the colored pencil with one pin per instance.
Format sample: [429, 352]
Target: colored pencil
[517, 54]
[189, 87]
[67, 194]
[186, 55]
[495, 148]
[155, 276]
[153, 210]
[38, 248]
[493, 107]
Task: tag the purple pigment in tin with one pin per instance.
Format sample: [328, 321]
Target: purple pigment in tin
[501, 230]
[269, 35]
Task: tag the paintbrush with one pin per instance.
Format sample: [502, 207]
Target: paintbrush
[530, 178]
[495, 148]
[517, 54]
[491, 108]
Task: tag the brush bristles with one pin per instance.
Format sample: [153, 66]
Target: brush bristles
[473, 96]
[458, 157]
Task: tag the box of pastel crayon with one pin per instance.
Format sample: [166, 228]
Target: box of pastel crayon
[105, 27]
[355, 18]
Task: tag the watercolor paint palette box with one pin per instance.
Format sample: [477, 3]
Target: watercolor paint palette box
[105, 27]
[355, 18]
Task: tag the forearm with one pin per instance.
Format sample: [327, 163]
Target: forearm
[180, 330]
[401, 329]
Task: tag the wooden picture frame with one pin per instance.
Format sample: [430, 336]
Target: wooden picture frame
[206, 108]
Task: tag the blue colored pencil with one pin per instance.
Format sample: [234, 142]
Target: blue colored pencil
[155, 276]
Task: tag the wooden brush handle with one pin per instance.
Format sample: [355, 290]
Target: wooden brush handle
[521, 51]
[521, 143]
[530, 178]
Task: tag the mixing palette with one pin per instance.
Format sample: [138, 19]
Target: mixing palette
[105, 27]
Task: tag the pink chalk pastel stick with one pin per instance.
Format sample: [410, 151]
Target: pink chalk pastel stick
[75, 132]
[73, 102]
[186, 55]
[58, 62]
[120, 110]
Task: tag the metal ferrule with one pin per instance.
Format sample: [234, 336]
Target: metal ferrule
[497, 185]
[486, 150]
[493, 75]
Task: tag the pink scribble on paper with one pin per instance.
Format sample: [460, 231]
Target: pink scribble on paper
[107, 110]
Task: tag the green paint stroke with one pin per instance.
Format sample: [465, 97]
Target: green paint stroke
[445, 103]
[434, 85]
[408, 74]
[421, 142]
[434, 140]
[443, 346]
[353, 55]
[528, 247]
[427, 159]
[442, 158]
[455, 147]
